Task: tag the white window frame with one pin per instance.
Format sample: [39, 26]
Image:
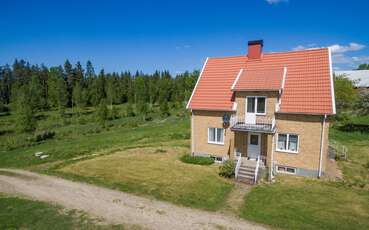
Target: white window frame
[216, 134]
[285, 171]
[256, 104]
[287, 142]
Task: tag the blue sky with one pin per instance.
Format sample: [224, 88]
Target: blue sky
[177, 35]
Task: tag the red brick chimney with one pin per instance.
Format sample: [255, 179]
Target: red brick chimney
[255, 49]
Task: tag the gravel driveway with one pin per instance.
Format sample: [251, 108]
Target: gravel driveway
[115, 207]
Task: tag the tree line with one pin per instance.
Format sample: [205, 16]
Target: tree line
[30, 88]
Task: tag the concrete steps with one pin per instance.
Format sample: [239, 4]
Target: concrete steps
[246, 173]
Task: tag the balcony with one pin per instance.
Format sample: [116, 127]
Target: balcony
[261, 124]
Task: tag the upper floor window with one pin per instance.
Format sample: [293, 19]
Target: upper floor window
[256, 105]
[287, 142]
[216, 135]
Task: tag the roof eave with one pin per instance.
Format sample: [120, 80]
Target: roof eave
[253, 90]
[305, 113]
[213, 109]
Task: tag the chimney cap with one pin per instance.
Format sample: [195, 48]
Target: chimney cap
[256, 42]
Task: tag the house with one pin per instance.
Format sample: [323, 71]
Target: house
[265, 110]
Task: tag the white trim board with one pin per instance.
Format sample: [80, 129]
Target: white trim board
[198, 80]
[236, 80]
[332, 83]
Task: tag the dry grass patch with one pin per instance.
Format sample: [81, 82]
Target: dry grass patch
[156, 172]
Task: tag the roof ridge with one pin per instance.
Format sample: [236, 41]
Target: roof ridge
[269, 53]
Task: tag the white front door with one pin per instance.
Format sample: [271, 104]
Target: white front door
[250, 112]
[253, 145]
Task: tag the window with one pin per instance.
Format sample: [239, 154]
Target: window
[256, 105]
[288, 143]
[260, 108]
[254, 139]
[286, 169]
[216, 135]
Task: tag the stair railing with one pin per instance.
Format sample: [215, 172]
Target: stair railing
[256, 169]
[238, 165]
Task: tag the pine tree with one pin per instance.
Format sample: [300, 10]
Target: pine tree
[129, 110]
[110, 91]
[90, 72]
[69, 75]
[164, 109]
[79, 74]
[77, 96]
[5, 84]
[102, 113]
[25, 120]
[35, 90]
[61, 95]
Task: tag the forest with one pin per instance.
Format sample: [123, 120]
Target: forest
[26, 89]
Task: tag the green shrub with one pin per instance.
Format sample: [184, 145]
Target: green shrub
[227, 169]
[43, 135]
[197, 160]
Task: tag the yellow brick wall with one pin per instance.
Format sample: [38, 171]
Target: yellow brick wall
[202, 120]
[308, 128]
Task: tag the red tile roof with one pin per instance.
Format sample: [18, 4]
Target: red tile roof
[259, 80]
[308, 85]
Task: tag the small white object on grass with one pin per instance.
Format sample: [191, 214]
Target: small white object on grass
[38, 154]
[44, 156]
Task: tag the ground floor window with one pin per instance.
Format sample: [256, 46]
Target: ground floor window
[287, 142]
[286, 169]
[216, 135]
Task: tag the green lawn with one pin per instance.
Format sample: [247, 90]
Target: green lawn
[87, 152]
[356, 168]
[158, 173]
[19, 213]
[142, 157]
[75, 139]
[303, 203]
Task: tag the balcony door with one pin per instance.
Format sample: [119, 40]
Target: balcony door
[254, 106]
[250, 110]
[253, 145]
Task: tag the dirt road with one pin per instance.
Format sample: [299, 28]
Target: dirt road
[112, 206]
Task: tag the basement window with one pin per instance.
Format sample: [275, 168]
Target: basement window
[216, 136]
[286, 169]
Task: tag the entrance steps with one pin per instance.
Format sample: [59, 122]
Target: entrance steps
[246, 171]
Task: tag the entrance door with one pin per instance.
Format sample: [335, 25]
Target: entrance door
[250, 117]
[253, 145]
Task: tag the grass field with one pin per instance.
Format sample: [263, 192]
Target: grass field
[142, 157]
[75, 138]
[158, 173]
[303, 203]
[20, 213]
[120, 157]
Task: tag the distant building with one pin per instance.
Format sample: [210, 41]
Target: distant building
[360, 77]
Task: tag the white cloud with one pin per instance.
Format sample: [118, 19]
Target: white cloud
[302, 47]
[352, 62]
[299, 47]
[274, 2]
[339, 56]
[180, 47]
[336, 48]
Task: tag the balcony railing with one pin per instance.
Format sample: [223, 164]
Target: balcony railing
[262, 124]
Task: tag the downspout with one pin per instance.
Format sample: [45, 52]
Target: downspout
[321, 146]
[272, 160]
[192, 134]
